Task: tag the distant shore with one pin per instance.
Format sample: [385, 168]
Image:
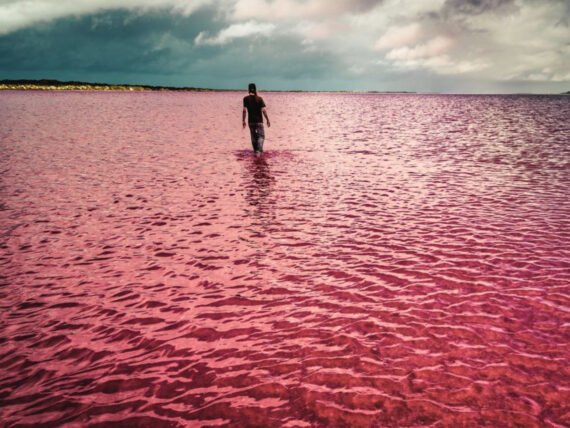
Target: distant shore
[56, 85]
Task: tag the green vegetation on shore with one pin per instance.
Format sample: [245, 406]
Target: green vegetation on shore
[55, 85]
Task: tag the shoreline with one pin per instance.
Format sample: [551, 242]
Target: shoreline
[56, 85]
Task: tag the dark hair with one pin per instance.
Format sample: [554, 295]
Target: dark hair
[251, 88]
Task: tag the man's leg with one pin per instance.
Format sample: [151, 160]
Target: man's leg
[253, 134]
[260, 137]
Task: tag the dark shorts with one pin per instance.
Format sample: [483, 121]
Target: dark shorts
[257, 136]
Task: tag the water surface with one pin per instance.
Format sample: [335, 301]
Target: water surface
[392, 260]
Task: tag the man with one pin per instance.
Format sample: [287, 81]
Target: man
[254, 106]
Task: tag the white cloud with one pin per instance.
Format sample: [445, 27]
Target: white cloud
[279, 9]
[530, 45]
[433, 47]
[561, 77]
[537, 77]
[295, 9]
[440, 64]
[235, 31]
[322, 29]
[433, 55]
[396, 37]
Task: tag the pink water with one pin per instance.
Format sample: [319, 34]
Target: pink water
[392, 260]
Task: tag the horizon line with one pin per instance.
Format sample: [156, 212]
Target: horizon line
[55, 84]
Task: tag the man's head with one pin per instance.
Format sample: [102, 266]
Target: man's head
[252, 89]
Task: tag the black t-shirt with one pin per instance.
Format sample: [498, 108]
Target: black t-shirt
[253, 104]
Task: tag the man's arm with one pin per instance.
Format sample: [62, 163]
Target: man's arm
[243, 116]
[264, 111]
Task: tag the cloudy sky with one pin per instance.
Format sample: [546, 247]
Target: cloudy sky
[466, 46]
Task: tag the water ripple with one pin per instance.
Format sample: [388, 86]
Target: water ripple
[409, 268]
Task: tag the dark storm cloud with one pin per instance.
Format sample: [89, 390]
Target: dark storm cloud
[128, 45]
[565, 15]
[363, 6]
[463, 10]
[478, 7]
[110, 41]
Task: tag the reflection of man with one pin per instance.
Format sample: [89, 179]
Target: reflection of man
[255, 107]
[258, 193]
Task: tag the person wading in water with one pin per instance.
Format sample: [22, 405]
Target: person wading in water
[254, 106]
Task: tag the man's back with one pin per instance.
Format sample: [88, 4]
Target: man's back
[254, 104]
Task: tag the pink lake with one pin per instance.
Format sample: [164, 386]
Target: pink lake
[391, 260]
